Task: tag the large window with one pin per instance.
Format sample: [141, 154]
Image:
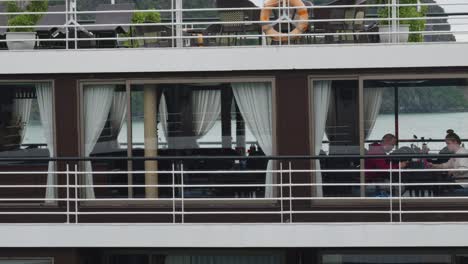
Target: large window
[195, 257]
[386, 258]
[412, 116]
[419, 113]
[27, 131]
[174, 119]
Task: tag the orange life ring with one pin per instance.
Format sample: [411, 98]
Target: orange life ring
[300, 28]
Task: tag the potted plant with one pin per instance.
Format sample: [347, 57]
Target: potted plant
[404, 26]
[21, 38]
[143, 31]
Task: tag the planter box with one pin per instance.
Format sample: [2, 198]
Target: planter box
[21, 40]
[386, 37]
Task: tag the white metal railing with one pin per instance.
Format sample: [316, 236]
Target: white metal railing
[398, 196]
[327, 24]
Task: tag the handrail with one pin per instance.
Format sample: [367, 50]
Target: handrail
[272, 157]
[370, 34]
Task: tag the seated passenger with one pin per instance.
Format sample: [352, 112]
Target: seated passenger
[453, 142]
[383, 148]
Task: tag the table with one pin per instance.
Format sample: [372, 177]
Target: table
[424, 177]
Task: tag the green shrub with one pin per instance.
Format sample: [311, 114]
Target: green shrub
[146, 17]
[26, 19]
[407, 12]
[141, 18]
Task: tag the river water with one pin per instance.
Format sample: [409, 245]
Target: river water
[433, 125]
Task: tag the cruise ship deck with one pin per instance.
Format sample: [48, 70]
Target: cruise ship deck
[232, 132]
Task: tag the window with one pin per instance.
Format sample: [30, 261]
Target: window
[26, 261]
[27, 130]
[399, 116]
[173, 119]
[335, 109]
[104, 118]
[196, 257]
[386, 259]
[418, 112]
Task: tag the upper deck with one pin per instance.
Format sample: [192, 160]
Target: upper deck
[178, 36]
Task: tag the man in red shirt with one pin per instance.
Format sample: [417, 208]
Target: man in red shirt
[383, 148]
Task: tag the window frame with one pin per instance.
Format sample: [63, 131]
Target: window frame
[54, 128]
[362, 78]
[155, 81]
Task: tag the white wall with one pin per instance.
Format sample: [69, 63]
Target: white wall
[234, 59]
[235, 236]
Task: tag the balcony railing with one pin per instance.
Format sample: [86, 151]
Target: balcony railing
[67, 26]
[296, 193]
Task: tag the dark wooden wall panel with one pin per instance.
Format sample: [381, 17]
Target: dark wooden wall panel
[293, 130]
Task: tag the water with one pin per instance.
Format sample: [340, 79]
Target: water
[432, 125]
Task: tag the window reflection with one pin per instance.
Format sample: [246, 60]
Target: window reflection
[178, 120]
[26, 131]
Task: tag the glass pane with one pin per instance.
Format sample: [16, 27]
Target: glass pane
[26, 130]
[425, 110]
[336, 112]
[386, 259]
[105, 118]
[201, 119]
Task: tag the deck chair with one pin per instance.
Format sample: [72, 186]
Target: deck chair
[154, 31]
[52, 26]
[119, 23]
[240, 16]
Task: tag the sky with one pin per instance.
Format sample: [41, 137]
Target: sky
[457, 24]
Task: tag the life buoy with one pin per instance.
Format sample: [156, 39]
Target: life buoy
[300, 28]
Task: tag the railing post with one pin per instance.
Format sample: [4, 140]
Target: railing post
[395, 22]
[281, 192]
[173, 195]
[182, 195]
[179, 21]
[290, 194]
[391, 191]
[75, 24]
[68, 192]
[399, 193]
[67, 19]
[76, 193]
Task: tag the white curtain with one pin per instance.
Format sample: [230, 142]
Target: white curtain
[97, 103]
[254, 101]
[206, 110]
[21, 113]
[117, 116]
[322, 93]
[372, 104]
[45, 100]
[163, 116]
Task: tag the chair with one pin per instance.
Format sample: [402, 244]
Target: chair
[359, 25]
[154, 31]
[53, 26]
[48, 28]
[211, 31]
[118, 23]
[241, 16]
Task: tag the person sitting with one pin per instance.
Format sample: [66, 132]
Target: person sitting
[386, 145]
[453, 142]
